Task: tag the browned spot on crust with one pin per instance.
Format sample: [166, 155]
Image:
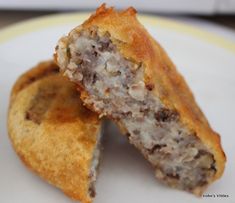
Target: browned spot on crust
[40, 104]
[150, 86]
[42, 70]
[47, 72]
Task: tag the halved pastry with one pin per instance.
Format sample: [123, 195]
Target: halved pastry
[123, 73]
[53, 134]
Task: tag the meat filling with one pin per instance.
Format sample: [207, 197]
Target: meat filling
[94, 165]
[117, 89]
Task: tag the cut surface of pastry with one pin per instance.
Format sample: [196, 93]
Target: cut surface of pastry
[123, 73]
[53, 133]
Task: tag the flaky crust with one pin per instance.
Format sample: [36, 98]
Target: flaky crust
[60, 147]
[41, 70]
[136, 44]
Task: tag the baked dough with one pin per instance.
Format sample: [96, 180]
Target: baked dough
[123, 73]
[53, 134]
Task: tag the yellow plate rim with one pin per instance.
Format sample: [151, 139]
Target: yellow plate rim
[35, 24]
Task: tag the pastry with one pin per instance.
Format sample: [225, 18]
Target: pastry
[53, 133]
[124, 74]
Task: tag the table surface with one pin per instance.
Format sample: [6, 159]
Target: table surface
[11, 17]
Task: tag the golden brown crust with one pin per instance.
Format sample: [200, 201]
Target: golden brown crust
[135, 43]
[60, 147]
[41, 70]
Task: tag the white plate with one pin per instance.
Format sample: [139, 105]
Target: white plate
[208, 64]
